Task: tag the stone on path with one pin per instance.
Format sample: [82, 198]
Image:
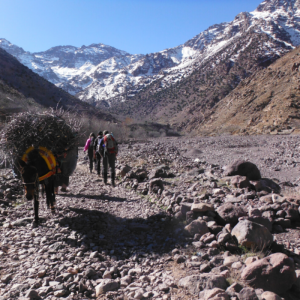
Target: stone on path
[252, 235]
[240, 182]
[196, 227]
[275, 273]
[106, 285]
[202, 207]
[22, 222]
[278, 199]
[229, 213]
[243, 168]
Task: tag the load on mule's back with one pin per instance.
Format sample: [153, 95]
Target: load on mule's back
[36, 144]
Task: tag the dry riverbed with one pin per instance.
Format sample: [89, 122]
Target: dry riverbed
[129, 242]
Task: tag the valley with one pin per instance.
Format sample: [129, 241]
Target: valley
[206, 203]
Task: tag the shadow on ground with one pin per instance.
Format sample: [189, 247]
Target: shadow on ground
[95, 197]
[122, 237]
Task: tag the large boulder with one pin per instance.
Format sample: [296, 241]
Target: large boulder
[229, 213]
[252, 235]
[274, 273]
[262, 221]
[197, 226]
[243, 168]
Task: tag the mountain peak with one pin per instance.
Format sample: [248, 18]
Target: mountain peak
[11, 48]
[4, 42]
[273, 5]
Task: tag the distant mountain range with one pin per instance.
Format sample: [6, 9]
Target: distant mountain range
[21, 89]
[180, 85]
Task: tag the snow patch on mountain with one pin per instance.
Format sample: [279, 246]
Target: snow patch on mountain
[102, 73]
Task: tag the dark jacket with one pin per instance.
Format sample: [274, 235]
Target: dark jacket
[97, 141]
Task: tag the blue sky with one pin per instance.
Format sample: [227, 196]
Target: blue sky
[136, 26]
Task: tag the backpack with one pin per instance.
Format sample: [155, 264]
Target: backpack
[98, 150]
[110, 144]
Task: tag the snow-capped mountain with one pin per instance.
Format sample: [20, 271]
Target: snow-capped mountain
[103, 75]
[62, 65]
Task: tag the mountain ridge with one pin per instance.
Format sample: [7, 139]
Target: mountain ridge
[23, 90]
[267, 102]
[167, 86]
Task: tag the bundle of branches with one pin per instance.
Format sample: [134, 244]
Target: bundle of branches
[55, 129]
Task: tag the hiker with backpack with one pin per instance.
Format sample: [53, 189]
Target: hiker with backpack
[89, 147]
[109, 155]
[98, 151]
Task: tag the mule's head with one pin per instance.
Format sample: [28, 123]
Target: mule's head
[30, 180]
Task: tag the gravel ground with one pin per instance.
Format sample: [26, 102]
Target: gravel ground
[276, 156]
[123, 234]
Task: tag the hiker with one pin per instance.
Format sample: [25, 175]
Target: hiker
[109, 155]
[98, 152]
[89, 147]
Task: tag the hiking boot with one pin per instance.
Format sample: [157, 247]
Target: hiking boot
[113, 180]
[105, 178]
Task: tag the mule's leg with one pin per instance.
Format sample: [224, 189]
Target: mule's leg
[53, 201]
[36, 211]
[50, 196]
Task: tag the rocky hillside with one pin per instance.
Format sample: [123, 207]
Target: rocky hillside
[22, 89]
[266, 102]
[174, 82]
[249, 43]
[177, 226]
[191, 99]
